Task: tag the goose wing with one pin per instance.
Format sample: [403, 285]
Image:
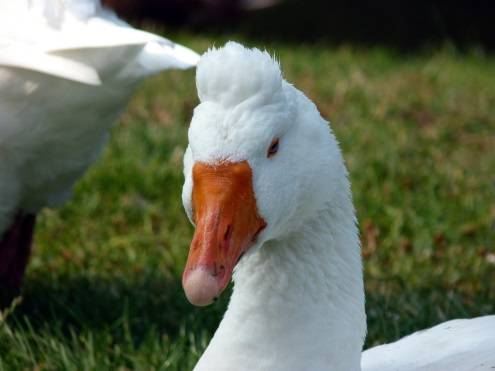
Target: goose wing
[86, 33]
[23, 58]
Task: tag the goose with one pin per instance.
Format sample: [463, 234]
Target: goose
[268, 192]
[67, 70]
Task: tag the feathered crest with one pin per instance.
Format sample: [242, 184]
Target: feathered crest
[233, 74]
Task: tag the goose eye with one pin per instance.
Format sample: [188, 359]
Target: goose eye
[273, 148]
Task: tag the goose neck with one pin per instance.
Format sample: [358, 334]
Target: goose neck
[298, 302]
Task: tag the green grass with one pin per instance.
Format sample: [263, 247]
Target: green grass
[418, 134]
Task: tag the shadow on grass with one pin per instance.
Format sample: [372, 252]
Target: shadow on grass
[138, 305]
[145, 305]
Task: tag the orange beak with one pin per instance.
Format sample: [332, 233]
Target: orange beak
[227, 224]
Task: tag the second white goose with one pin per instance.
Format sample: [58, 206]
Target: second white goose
[67, 70]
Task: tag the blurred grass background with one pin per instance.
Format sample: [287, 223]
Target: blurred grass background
[418, 134]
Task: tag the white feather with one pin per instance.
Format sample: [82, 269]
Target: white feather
[25, 58]
[460, 345]
[242, 74]
[71, 27]
[67, 70]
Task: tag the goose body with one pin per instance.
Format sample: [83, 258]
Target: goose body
[460, 345]
[67, 70]
[267, 189]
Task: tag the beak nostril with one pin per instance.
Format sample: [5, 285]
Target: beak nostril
[228, 233]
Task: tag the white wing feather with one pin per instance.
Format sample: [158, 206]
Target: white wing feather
[67, 70]
[76, 29]
[31, 59]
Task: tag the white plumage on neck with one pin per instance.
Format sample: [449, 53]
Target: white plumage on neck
[298, 301]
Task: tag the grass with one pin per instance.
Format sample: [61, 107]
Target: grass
[418, 131]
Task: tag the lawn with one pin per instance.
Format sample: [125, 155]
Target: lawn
[418, 134]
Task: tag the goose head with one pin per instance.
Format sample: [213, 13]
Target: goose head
[260, 163]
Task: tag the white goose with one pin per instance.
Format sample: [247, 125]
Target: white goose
[67, 69]
[264, 178]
